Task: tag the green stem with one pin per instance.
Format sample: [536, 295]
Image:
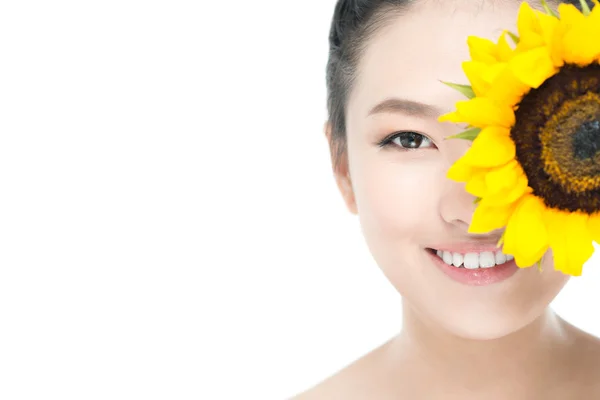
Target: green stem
[514, 37]
[466, 90]
[585, 8]
[469, 134]
[549, 11]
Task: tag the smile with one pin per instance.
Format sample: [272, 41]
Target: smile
[472, 260]
[474, 268]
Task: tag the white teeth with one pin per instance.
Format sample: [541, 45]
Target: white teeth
[471, 260]
[485, 259]
[500, 258]
[509, 257]
[447, 257]
[457, 259]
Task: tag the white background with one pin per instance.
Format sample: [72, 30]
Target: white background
[170, 228]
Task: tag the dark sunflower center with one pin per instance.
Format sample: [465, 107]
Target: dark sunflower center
[586, 140]
[557, 134]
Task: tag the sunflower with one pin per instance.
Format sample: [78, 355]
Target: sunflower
[533, 114]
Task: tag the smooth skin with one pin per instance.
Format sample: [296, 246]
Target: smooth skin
[495, 342]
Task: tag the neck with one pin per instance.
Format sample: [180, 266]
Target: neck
[527, 357]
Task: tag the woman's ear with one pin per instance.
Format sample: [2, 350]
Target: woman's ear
[341, 172]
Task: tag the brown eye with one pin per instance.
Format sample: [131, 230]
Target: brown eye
[408, 140]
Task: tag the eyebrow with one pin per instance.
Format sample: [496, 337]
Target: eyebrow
[408, 107]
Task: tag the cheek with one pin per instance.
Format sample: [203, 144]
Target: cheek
[541, 287]
[397, 202]
[398, 205]
[398, 212]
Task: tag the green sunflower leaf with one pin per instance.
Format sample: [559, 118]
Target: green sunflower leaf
[516, 39]
[464, 89]
[549, 11]
[585, 8]
[469, 134]
[477, 200]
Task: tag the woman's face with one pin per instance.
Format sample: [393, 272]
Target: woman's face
[405, 203]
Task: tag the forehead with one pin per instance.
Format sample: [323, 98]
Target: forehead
[413, 52]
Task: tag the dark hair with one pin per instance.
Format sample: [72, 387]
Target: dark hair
[354, 23]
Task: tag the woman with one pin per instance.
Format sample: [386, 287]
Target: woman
[475, 326]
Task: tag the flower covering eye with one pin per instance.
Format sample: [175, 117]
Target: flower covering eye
[533, 112]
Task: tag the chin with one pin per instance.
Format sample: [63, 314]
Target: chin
[488, 327]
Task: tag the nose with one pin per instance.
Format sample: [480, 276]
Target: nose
[456, 205]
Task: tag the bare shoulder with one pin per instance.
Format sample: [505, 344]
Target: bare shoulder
[355, 381]
[587, 363]
[588, 348]
[591, 366]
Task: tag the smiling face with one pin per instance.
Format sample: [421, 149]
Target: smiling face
[404, 201]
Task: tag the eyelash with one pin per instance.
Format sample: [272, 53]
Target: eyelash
[389, 141]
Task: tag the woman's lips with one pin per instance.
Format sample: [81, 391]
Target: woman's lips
[478, 276]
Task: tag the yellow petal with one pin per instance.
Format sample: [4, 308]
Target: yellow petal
[481, 49]
[579, 240]
[547, 24]
[487, 218]
[556, 45]
[474, 70]
[476, 184]
[594, 17]
[570, 15]
[481, 112]
[527, 20]
[508, 189]
[491, 148]
[534, 66]
[461, 172]
[581, 43]
[529, 42]
[594, 227]
[507, 89]
[570, 240]
[595, 8]
[491, 73]
[504, 176]
[535, 28]
[555, 221]
[500, 185]
[526, 237]
[520, 189]
[503, 49]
